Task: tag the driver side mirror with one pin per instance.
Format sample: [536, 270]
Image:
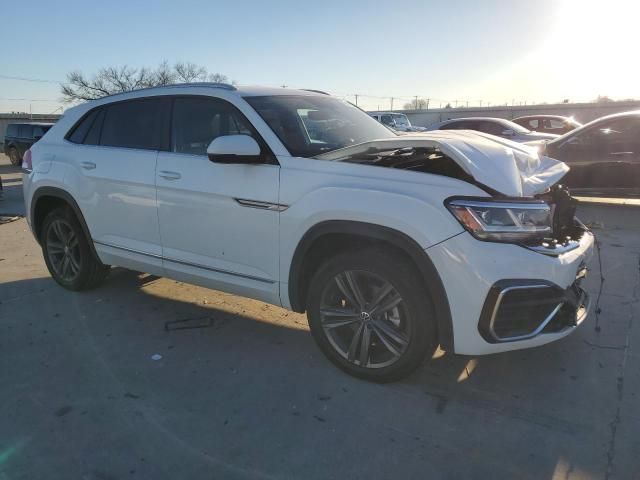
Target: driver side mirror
[234, 149]
[508, 133]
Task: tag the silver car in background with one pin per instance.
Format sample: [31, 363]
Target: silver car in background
[499, 127]
[396, 121]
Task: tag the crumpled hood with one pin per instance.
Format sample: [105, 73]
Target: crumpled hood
[510, 168]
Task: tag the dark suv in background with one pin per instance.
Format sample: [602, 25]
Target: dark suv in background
[20, 136]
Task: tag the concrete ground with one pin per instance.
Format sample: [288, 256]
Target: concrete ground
[251, 396]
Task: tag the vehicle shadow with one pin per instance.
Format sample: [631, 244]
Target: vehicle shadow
[6, 168]
[13, 199]
[253, 395]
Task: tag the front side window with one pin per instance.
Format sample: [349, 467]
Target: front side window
[135, 124]
[198, 121]
[310, 125]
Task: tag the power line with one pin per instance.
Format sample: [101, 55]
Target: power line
[30, 100]
[27, 79]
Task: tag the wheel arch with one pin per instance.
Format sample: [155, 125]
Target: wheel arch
[359, 232]
[45, 199]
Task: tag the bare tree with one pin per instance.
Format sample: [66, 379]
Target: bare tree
[110, 80]
[418, 104]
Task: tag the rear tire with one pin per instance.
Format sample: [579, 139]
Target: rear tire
[371, 314]
[67, 253]
[14, 157]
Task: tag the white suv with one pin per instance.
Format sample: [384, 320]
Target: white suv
[393, 245]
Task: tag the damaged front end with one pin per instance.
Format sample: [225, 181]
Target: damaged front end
[526, 205]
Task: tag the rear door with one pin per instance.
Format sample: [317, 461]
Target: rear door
[114, 178]
[218, 222]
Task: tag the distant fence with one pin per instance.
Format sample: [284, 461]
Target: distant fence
[7, 118]
[582, 112]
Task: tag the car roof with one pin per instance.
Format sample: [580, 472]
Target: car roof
[527, 117]
[175, 89]
[239, 90]
[490, 119]
[633, 113]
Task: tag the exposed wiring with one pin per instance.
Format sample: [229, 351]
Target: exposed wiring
[597, 306]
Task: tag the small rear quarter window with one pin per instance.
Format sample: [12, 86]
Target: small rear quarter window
[81, 129]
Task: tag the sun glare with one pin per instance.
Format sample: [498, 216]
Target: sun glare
[591, 49]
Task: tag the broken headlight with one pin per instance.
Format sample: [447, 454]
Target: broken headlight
[502, 221]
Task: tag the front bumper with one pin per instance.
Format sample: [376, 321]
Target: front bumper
[507, 297]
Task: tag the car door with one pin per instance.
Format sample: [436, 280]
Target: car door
[218, 222]
[604, 159]
[114, 179]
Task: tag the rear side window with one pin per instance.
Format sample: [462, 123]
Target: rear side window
[38, 132]
[80, 131]
[492, 128]
[464, 125]
[12, 130]
[136, 124]
[197, 121]
[25, 131]
[93, 134]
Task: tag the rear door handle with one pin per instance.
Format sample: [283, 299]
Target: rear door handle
[167, 175]
[88, 165]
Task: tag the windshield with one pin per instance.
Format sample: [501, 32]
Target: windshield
[401, 120]
[309, 125]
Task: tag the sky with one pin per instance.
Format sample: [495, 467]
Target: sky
[494, 51]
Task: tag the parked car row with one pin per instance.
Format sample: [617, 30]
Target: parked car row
[493, 126]
[603, 156]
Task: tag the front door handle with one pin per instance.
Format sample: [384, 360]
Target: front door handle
[88, 165]
[167, 175]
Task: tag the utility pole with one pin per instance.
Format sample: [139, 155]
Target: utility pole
[416, 102]
[427, 104]
[456, 104]
[480, 103]
[392, 104]
[467, 103]
[356, 99]
[283, 85]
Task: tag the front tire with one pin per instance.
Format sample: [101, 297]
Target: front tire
[67, 253]
[371, 314]
[14, 157]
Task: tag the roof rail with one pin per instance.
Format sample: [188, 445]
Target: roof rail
[314, 91]
[225, 86]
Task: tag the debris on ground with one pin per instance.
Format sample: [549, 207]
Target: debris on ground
[8, 218]
[188, 323]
